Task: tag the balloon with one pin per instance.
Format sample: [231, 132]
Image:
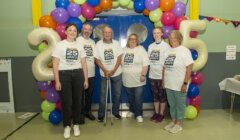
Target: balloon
[178, 21]
[45, 115]
[60, 15]
[58, 105]
[198, 108]
[88, 11]
[47, 106]
[139, 6]
[187, 100]
[195, 101]
[193, 34]
[47, 21]
[74, 10]
[146, 12]
[115, 4]
[52, 95]
[83, 19]
[190, 112]
[179, 9]
[93, 2]
[106, 4]
[197, 78]
[43, 86]
[75, 21]
[43, 95]
[79, 1]
[98, 9]
[60, 29]
[62, 3]
[193, 90]
[42, 47]
[158, 24]
[167, 5]
[167, 30]
[194, 54]
[151, 4]
[168, 18]
[130, 5]
[55, 117]
[155, 15]
[124, 2]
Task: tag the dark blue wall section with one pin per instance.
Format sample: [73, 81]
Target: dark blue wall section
[120, 25]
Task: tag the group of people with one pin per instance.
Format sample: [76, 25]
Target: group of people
[74, 60]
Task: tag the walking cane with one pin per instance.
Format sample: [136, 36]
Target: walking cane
[108, 91]
[106, 105]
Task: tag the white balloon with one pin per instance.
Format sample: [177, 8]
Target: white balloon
[40, 63]
[186, 27]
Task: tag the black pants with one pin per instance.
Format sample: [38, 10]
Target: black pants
[71, 95]
[87, 97]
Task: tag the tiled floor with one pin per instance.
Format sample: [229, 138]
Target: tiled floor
[210, 125]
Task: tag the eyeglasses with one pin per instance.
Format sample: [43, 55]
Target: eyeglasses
[132, 39]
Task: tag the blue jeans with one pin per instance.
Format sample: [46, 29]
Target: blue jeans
[135, 98]
[116, 86]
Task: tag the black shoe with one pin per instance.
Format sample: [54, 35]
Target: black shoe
[118, 117]
[100, 119]
[90, 116]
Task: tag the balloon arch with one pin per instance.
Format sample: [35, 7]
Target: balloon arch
[167, 14]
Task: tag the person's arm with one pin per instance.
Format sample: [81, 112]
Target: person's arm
[163, 72]
[187, 78]
[101, 66]
[55, 61]
[85, 72]
[119, 60]
[143, 73]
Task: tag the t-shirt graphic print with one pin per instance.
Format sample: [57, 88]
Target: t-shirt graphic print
[71, 55]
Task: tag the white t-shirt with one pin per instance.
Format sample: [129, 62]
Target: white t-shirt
[176, 61]
[88, 46]
[156, 58]
[133, 61]
[108, 54]
[69, 54]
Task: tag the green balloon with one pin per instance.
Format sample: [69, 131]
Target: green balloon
[115, 4]
[47, 106]
[190, 112]
[79, 1]
[130, 5]
[83, 19]
[155, 15]
[124, 2]
[158, 24]
[42, 47]
[45, 115]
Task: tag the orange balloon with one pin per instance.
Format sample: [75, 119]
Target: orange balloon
[72, 1]
[43, 95]
[106, 4]
[146, 12]
[47, 21]
[98, 9]
[167, 5]
[198, 108]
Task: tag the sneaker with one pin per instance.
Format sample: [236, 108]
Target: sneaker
[175, 129]
[67, 131]
[100, 119]
[139, 119]
[117, 116]
[159, 118]
[169, 126]
[76, 130]
[129, 114]
[155, 115]
[90, 116]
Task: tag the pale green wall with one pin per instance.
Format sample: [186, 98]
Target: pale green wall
[15, 24]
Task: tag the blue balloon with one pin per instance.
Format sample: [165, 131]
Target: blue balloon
[139, 6]
[55, 117]
[193, 90]
[93, 2]
[75, 21]
[194, 54]
[62, 3]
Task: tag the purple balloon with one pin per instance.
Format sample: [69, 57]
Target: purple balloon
[43, 86]
[179, 9]
[60, 15]
[152, 4]
[167, 30]
[74, 10]
[52, 95]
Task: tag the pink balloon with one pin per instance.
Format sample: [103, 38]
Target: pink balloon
[58, 105]
[168, 18]
[193, 34]
[60, 29]
[88, 11]
[195, 101]
[197, 78]
[178, 21]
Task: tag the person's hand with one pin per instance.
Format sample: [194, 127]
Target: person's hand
[142, 78]
[111, 73]
[106, 73]
[58, 86]
[85, 84]
[184, 88]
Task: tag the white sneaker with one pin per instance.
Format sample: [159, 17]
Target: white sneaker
[76, 130]
[175, 129]
[129, 114]
[169, 126]
[67, 131]
[139, 119]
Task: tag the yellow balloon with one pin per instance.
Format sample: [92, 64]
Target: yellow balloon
[130, 5]
[115, 4]
[79, 1]
[155, 15]
[158, 24]
[124, 3]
